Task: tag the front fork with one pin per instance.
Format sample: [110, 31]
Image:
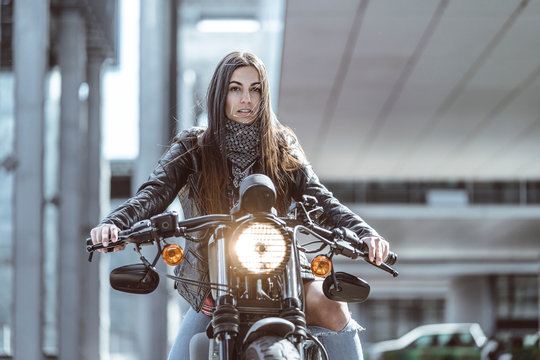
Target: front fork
[226, 319]
[292, 303]
[225, 322]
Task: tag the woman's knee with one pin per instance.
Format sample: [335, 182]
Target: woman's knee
[333, 315]
[321, 311]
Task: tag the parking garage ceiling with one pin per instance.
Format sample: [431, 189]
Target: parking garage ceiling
[415, 89]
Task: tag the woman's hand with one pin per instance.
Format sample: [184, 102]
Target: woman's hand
[378, 249]
[105, 233]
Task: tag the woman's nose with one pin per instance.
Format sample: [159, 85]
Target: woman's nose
[245, 97]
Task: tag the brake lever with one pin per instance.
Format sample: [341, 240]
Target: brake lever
[347, 243]
[137, 237]
[383, 266]
[363, 250]
[353, 253]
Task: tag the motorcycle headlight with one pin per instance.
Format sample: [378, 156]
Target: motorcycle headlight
[261, 247]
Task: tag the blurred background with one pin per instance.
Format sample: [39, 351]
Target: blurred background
[423, 116]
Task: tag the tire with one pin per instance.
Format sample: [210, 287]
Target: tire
[271, 348]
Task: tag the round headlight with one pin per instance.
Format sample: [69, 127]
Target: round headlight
[261, 247]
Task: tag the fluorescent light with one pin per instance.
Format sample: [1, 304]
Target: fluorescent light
[228, 25]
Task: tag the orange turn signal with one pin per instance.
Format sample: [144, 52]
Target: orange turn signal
[172, 254]
[321, 266]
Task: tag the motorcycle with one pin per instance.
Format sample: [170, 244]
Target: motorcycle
[255, 279]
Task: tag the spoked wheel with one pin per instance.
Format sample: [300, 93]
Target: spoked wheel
[271, 348]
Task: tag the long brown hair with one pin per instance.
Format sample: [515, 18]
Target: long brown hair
[276, 161]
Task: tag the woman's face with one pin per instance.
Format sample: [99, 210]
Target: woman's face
[243, 95]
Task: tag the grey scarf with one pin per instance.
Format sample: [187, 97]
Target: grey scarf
[242, 146]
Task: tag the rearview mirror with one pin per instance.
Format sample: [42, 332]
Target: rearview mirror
[349, 288]
[134, 279]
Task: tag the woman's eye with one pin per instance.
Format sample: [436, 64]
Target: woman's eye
[256, 89]
[234, 88]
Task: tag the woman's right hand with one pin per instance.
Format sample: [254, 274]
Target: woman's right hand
[105, 233]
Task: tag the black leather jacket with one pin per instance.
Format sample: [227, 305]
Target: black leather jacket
[176, 175]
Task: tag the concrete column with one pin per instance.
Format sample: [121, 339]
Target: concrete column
[155, 120]
[31, 20]
[470, 299]
[92, 209]
[188, 114]
[154, 80]
[72, 62]
[271, 12]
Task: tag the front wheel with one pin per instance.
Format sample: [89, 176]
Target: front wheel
[271, 348]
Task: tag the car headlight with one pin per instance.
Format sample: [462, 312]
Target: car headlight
[261, 247]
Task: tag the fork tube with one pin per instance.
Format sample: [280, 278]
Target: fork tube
[221, 260]
[225, 319]
[292, 274]
[292, 304]
[225, 322]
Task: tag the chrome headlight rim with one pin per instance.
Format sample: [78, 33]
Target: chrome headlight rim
[278, 228]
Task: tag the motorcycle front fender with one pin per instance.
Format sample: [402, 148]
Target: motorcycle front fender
[268, 326]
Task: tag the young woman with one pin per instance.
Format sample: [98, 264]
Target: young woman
[204, 167]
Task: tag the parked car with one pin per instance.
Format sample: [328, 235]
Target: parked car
[525, 347]
[435, 341]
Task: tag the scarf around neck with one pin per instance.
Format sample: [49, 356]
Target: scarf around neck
[242, 147]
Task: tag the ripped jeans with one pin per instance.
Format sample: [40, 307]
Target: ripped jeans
[344, 344]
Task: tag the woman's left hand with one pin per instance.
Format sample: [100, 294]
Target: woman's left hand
[378, 248]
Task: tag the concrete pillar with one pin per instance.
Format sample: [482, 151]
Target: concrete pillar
[155, 119]
[271, 12]
[470, 299]
[188, 115]
[31, 20]
[92, 209]
[72, 63]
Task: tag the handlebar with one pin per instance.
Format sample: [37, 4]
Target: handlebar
[162, 225]
[348, 244]
[124, 237]
[193, 223]
[145, 232]
[358, 244]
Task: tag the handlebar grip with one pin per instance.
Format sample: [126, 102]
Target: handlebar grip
[90, 246]
[391, 259]
[353, 239]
